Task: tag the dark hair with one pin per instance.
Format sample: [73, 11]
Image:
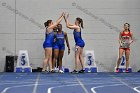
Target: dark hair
[128, 26]
[47, 23]
[80, 21]
[59, 24]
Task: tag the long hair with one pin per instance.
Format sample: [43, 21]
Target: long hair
[128, 26]
[46, 24]
[80, 21]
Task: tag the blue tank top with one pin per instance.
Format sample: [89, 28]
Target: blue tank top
[77, 36]
[49, 38]
[60, 38]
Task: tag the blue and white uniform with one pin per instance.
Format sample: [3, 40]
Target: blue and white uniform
[49, 40]
[78, 38]
[60, 41]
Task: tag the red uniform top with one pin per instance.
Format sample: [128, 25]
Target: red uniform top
[125, 38]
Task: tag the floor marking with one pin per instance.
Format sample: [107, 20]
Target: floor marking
[123, 83]
[5, 90]
[36, 83]
[82, 85]
[135, 88]
[50, 89]
[93, 89]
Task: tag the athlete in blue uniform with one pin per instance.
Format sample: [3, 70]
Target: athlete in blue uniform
[78, 39]
[79, 43]
[59, 47]
[48, 43]
[49, 39]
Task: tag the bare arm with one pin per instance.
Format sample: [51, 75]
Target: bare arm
[67, 42]
[70, 25]
[57, 22]
[120, 39]
[132, 39]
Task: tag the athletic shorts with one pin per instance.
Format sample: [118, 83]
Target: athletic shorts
[59, 47]
[80, 44]
[47, 45]
[125, 49]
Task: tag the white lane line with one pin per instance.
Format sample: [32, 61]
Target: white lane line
[16, 83]
[135, 88]
[4, 91]
[82, 85]
[122, 82]
[36, 83]
[93, 89]
[125, 83]
[50, 89]
[17, 86]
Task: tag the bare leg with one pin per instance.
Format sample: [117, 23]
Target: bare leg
[77, 55]
[120, 56]
[45, 60]
[50, 58]
[81, 58]
[56, 52]
[61, 53]
[127, 53]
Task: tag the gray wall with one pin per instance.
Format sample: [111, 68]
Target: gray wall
[102, 19]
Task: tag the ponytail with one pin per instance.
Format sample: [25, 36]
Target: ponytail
[80, 21]
[46, 24]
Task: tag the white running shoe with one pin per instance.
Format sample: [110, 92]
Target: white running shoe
[61, 71]
[43, 70]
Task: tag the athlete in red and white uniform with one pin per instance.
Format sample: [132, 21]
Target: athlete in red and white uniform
[125, 39]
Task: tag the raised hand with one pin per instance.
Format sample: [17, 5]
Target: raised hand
[62, 14]
[67, 15]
